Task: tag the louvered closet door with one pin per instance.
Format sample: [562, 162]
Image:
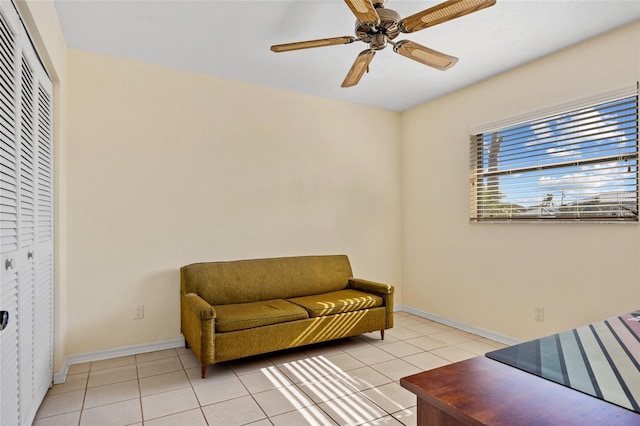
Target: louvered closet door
[35, 234]
[9, 368]
[26, 231]
[43, 253]
[26, 225]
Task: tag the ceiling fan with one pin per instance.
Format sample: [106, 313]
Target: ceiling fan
[378, 27]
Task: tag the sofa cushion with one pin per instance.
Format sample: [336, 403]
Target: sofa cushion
[336, 302]
[240, 316]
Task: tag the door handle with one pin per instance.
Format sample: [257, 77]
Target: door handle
[4, 319]
[8, 264]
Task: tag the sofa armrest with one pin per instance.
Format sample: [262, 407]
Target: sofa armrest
[199, 306]
[370, 286]
[197, 323]
[384, 290]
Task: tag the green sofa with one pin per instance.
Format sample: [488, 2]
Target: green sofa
[235, 309]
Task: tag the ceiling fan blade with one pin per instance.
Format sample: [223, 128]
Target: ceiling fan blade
[312, 43]
[358, 68]
[424, 55]
[364, 11]
[443, 12]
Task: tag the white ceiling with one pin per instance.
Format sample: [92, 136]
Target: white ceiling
[231, 39]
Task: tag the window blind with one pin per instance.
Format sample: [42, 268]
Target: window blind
[576, 165]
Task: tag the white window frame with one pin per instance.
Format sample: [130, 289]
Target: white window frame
[521, 201]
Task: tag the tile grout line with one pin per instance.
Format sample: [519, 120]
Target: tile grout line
[266, 416]
[184, 369]
[139, 392]
[84, 395]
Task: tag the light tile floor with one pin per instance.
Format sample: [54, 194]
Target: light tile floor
[346, 382]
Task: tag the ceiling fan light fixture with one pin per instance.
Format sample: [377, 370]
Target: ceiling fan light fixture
[358, 68]
[424, 55]
[378, 42]
[443, 12]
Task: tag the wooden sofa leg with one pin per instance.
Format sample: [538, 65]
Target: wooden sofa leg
[203, 370]
[382, 334]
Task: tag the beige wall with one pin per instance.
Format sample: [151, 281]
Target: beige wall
[167, 167]
[156, 168]
[491, 276]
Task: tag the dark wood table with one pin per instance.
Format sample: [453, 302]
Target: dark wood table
[482, 391]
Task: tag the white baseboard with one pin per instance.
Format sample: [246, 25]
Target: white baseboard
[465, 327]
[61, 376]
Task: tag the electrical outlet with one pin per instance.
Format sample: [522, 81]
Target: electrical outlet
[138, 311]
[538, 313]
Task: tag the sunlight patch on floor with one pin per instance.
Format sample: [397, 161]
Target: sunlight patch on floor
[328, 384]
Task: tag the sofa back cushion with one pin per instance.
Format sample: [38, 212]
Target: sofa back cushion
[243, 281]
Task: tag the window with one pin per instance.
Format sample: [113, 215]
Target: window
[575, 162]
